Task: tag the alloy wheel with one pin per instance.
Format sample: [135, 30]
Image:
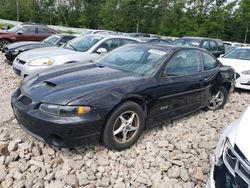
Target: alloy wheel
[126, 127]
[3, 43]
[216, 100]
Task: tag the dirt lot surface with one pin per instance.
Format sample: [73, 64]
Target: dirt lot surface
[175, 155]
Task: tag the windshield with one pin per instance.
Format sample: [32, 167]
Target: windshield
[135, 59]
[83, 43]
[243, 54]
[188, 42]
[14, 29]
[52, 40]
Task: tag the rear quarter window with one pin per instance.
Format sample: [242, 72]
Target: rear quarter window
[209, 62]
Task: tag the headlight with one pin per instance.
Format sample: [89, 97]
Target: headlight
[41, 62]
[246, 72]
[64, 110]
[15, 52]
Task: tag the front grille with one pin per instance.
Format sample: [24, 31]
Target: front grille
[25, 100]
[237, 165]
[20, 61]
[17, 71]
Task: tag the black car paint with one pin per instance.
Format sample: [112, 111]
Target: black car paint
[103, 88]
[29, 45]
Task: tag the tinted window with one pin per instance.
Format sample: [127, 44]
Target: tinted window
[205, 45]
[29, 30]
[213, 46]
[243, 54]
[183, 63]
[127, 41]
[209, 61]
[110, 44]
[188, 42]
[44, 31]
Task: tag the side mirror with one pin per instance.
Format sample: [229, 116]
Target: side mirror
[102, 51]
[20, 32]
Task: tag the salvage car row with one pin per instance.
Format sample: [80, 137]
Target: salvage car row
[112, 98]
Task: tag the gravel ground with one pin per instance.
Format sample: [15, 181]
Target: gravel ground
[176, 155]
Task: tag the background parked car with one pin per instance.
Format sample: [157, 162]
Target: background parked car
[231, 45]
[14, 49]
[81, 49]
[101, 32]
[214, 46]
[154, 40]
[25, 32]
[230, 164]
[130, 89]
[239, 59]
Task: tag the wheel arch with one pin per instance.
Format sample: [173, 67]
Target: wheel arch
[138, 99]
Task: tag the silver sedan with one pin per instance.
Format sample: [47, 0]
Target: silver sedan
[81, 49]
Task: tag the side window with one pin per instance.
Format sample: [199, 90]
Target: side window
[209, 62]
[213, 46]
[185, 62]
[29, 31]
[205, 45]
[110, 44]
[44, 31]
[127, 41]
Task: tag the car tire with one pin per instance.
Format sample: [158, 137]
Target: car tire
[218, 99]
[124, 126]
[3, 43]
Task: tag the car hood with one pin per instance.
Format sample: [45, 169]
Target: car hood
[237, 64]
[21, 44]
[46, 52]
[242, 135]
[65, 83]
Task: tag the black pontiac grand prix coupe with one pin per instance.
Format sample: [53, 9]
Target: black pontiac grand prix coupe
[113, 100]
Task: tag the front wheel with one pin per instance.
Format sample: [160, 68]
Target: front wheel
[218, 99]
[124, 126]
[3, 43]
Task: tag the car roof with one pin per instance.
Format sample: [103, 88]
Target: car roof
[243, 47]
[165, 47]
[112, 36]
[199, 38]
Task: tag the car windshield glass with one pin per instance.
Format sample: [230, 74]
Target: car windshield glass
[14, 29]
[52, 40]
[188, 42]
[135, 59]
[83, 43]
[243, 54]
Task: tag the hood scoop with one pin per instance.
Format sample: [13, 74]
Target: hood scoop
[50, 84]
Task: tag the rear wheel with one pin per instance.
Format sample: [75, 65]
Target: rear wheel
[3, 43]
[124, 126]
[218, 99]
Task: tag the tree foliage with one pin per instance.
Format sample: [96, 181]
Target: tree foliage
[229, 20]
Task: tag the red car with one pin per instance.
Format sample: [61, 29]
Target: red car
[25, 32]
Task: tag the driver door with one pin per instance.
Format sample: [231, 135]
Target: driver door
[180, 86]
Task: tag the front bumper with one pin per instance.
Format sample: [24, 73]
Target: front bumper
[243, 82]
[55, 130]
[22, 68]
